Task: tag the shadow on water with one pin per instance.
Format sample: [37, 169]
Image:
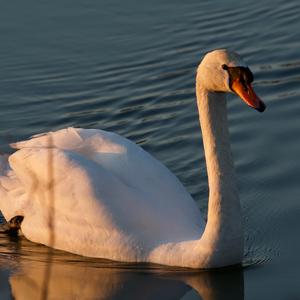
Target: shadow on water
[23, 266]
[51, 223]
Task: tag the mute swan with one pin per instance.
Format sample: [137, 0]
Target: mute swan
[97, 194]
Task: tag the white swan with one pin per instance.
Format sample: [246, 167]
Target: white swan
[97, 194]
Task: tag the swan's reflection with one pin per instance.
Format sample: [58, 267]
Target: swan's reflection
[67, 276]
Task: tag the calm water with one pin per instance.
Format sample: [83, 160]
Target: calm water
[129, 67]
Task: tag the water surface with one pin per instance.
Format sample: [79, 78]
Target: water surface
[129, 67]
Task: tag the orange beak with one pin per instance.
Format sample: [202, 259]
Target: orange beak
[247, 94]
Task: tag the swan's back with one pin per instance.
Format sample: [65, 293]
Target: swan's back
[111, 199]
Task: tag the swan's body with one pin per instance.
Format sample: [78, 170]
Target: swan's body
[97, 194]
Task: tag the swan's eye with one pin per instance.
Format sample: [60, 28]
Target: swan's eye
[225, 67]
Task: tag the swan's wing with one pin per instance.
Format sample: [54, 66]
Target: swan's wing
[105, 191]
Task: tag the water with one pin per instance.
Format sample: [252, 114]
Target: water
[129, 67]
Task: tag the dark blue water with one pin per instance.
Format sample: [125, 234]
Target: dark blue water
[129, 67]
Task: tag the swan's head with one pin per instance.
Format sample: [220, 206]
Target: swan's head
[224, 71]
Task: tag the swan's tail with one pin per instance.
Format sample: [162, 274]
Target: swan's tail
[12, 226]
[3, 171]
[10, 189]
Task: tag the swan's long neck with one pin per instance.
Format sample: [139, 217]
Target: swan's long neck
[223, 234]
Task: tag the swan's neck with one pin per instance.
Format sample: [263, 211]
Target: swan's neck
[223, 232]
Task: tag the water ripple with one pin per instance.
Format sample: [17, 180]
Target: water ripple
[130, 67]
